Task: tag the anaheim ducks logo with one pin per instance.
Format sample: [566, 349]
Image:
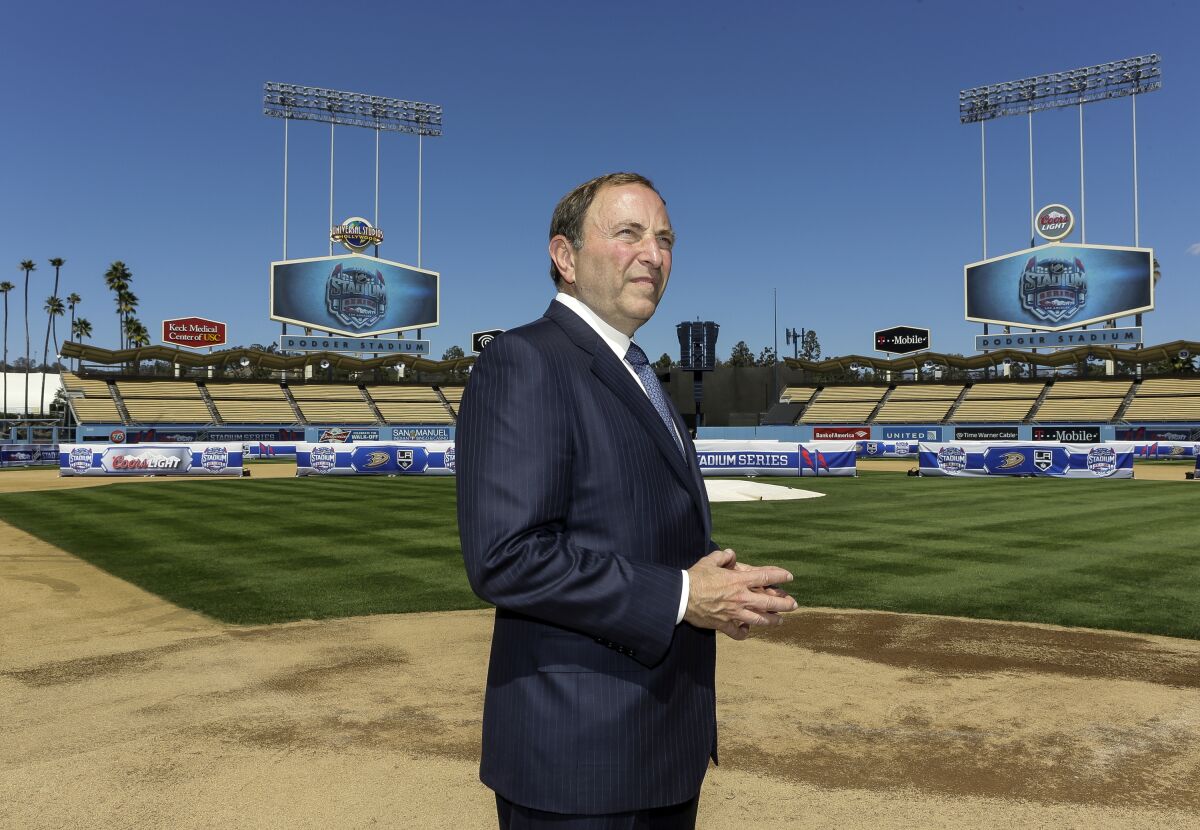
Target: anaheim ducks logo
[379, 458]
[1011, 460]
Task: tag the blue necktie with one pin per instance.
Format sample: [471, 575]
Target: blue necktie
[654, 391]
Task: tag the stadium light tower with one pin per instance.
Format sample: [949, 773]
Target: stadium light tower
[351, 109]
[1073, 88]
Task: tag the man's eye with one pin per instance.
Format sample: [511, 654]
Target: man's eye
[666, 242]
[627, 233]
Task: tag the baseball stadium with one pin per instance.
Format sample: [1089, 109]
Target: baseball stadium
[232, 592]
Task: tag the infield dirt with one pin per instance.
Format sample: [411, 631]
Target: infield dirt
[121, 710]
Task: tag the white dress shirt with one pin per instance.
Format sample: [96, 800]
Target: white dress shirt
[619, 343]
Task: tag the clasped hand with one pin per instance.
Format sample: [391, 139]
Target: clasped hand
[730, 596]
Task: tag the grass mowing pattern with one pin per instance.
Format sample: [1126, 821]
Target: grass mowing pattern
[266, 551]
[1104, 554]
[1101, 554]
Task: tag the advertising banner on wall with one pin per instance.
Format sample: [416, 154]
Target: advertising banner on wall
[194, 332]
[841, 433]
[911, 433]
[375, 458]
[776, 458]
[974, 459]
[1167, 450]
[28, 455]
[150, 460]
[887, 449]
[1056, 287]
[354, 295]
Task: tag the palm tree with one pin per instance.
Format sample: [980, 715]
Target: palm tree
[73, 300]
[5, 287]
[80, 329]
[117, 278]
[28, 266]
[137, 336]
[53, 308]
[127, 303]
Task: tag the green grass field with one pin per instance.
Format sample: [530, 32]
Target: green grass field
[1103, 554]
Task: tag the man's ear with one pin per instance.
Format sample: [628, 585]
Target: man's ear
[562, 254]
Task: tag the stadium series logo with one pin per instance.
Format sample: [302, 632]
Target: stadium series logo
[81, 459]
[448, 459]
[357, 298]
[952, 459]
[357, 234]
[322, 457]
[1053, 289]
[214, 459]
[1102, 460]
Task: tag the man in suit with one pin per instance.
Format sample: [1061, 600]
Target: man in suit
[584, 519]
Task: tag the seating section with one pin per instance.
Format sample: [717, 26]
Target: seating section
[453, 396]
[843, 405]
[410, 404]
[333, 404]
[995, 402]
[90, 400]
[1166, 399]
[1083, 400]
[251, 403]
[918, 402]
[797, 394]
[164, 401]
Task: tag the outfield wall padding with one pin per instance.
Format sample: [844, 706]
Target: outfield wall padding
[375, 458]
[966, 459]
[28, 455]
[777, 458]
[150, 460]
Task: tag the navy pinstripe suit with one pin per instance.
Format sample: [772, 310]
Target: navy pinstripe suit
[577, 513]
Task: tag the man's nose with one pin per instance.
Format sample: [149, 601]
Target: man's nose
[651, 254]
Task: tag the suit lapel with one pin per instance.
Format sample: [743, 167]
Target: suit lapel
[616, 377]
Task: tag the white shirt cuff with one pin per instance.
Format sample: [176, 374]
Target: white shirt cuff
[683, 597]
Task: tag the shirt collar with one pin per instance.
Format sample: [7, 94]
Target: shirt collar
[617, 341]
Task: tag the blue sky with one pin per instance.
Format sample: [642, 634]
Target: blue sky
[809, 148]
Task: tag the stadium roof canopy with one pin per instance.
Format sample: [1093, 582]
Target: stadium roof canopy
[259, 358]
[1062, 357]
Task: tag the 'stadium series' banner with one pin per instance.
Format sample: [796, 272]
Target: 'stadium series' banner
[1056, 287]
[150, 460]
[354, 295]
[371, 458]
[974, 459]
[776, 458]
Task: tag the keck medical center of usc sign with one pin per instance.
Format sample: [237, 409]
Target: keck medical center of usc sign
[1056, 287]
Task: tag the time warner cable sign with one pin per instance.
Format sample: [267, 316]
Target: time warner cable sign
[354, 295]
[1056, 287]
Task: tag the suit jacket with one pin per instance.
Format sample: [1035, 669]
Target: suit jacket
[577, 513]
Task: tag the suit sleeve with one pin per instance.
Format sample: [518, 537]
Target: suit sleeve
[515, 441]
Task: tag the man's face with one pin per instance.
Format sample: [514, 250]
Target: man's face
[622, 269]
